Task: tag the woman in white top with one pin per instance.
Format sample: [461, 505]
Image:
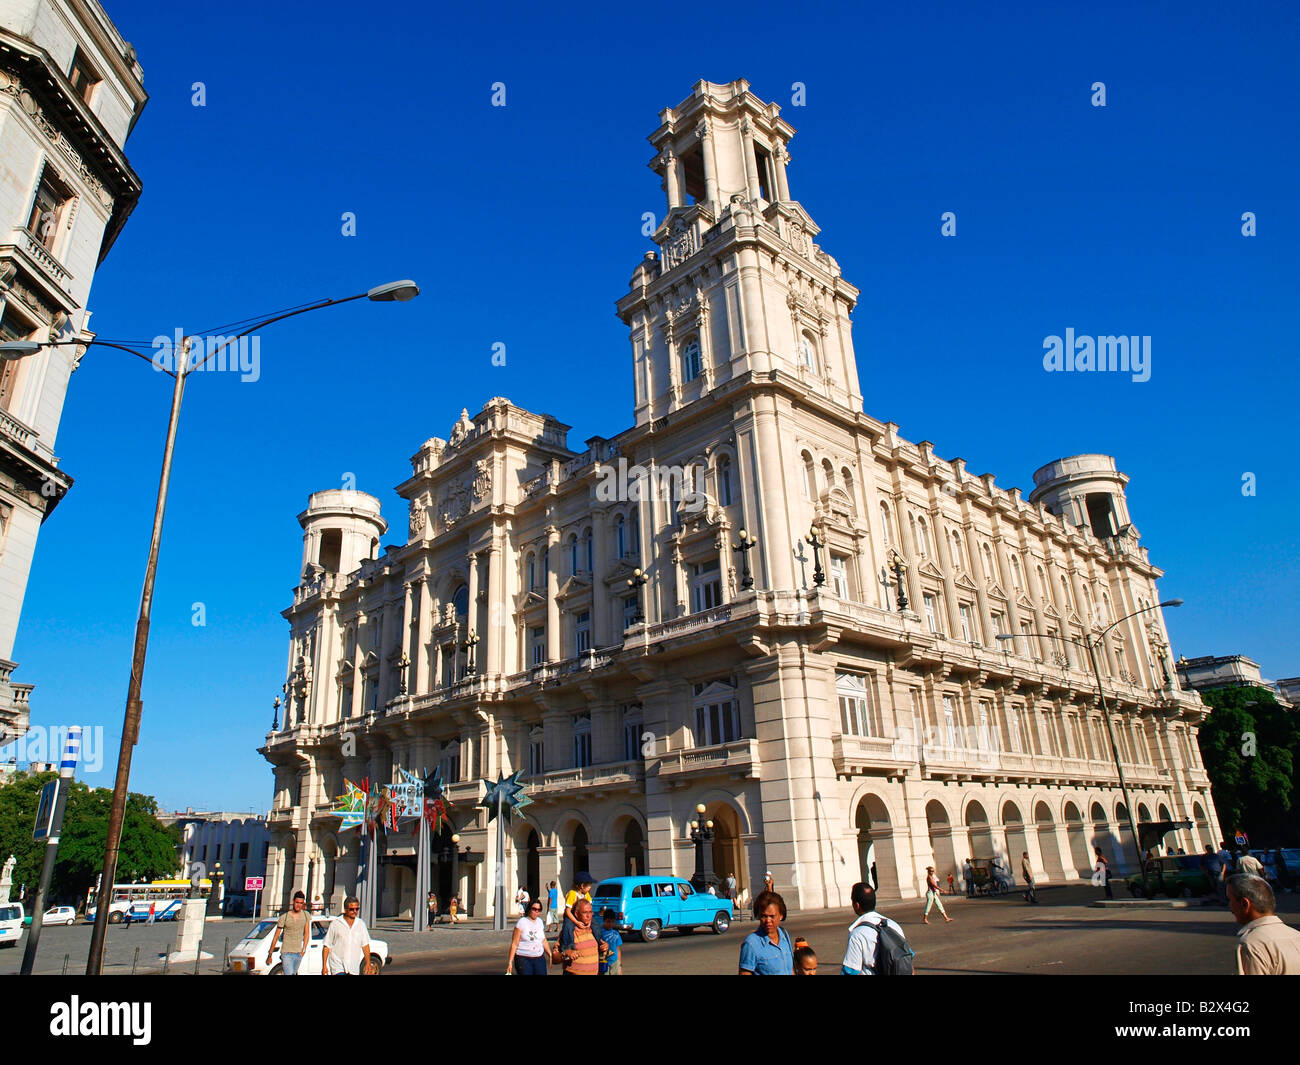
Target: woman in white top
[528, 944]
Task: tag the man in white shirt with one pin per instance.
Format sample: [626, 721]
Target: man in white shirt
[860, 954]
[346, 951]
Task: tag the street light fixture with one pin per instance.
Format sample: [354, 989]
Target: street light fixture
[471, 641]
[898, 567]
[819, 578]
[702, 837]
[1091, 647]
[746, 545]
[637, 582]
[275, 715]
[396, 291]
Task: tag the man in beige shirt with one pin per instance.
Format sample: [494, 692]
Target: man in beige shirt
[1268, 947]
[294, 931]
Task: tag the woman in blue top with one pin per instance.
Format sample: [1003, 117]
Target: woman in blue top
[767, 951]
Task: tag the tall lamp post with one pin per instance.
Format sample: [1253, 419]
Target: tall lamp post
[637, 582]
[398, 291]
[747, 544]
[702, 837]
[1091, 647]
[471, 641]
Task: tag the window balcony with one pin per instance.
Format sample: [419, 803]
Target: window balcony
[736, 759]
[613, 776]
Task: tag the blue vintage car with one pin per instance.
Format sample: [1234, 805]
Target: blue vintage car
[648, 905]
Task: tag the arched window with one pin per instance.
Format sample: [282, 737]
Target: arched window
[1065, 592]
[620, 537]
[530, 571]
[808, 351]
[958, 554]
[724, 481]
[1043, 589]
[847, 478]
[1105, 608]
[573, 554]
[587, 550]
[809, 477]
[634, 536]
[461, 600]
[885, 534]
[922, 538]
[1017, 578]
[828, 471]
[692, 364]
[990, 573]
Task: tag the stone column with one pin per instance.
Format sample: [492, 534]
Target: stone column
[672, 180]
[405, 676]
[747, 151]
[471, 614]
[782, 160]
[423, 653]
[912, 558]
[552, 591]
[948, 563]
[705, 135]
[495, 659]
[600, 627]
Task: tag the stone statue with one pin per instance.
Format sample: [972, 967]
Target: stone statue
[7, 878]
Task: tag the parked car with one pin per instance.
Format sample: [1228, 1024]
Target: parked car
[647, 905]
[248, 956]
[1172, 875]
[60, 915]
[11, 923]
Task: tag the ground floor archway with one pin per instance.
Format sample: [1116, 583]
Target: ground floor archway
[1077, 835]
[877, 862]
[941, 846]
[1017, 841]
[1048, 845]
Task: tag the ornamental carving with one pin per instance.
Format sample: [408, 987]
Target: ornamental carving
[453, 506]
[461, 430]
[680, 245]
[482, 479]
[417, 519]
[11, 86]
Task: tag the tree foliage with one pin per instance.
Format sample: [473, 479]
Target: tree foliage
[1251, 748]
[147, 851]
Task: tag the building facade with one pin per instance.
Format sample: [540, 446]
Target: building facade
[70, 92]
[825, 722]
[1232, 671]
[238, 841]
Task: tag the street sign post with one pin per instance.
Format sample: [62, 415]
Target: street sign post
[54, 799]
[255, 885]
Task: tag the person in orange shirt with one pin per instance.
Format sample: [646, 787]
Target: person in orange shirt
[579, 949]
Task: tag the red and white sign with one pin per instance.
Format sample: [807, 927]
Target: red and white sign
[253, 883]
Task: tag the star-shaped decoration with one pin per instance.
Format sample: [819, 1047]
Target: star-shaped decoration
[510, 792]
[351, 808]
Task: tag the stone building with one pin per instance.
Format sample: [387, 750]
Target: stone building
[238, 841]
[822, 724]
[70, 92]
[1209, 672]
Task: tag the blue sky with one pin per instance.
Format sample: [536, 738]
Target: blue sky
[522, 225]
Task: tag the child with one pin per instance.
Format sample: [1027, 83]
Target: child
[611, 964]
[805, 961]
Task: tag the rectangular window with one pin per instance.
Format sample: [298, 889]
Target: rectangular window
[538, 641]
[83, 77]
[243, 852]
[931, 616]
[47, 211]
[11, 370]
[968, 630]
[840, 575]
[983, 732]
[536, 755]
[949, 721]
[631, 739]
[631, 612]
[581, 742]
[1000, 623]
[582, 629]
[1027, 646]
[717, 723]
[1013, 730]
[706, 586]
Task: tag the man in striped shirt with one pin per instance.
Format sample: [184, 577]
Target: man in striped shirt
[579, 946]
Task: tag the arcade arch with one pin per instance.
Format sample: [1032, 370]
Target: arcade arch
[1047, 843]
[876, 845]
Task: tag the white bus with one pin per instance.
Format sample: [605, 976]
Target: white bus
[135, 899]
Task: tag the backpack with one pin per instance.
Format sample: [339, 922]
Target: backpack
[893, 953]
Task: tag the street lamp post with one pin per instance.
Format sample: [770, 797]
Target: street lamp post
[898, 567]
[275, 714]
[819, 578]
[455, 868]
[471, 641]
[702, 837]
[399, 291]
[637, 582]
[746, 545]
[1091, 646]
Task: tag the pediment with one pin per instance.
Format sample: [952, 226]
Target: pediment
[716, 690]
[345, 668]
[620, 571]
[371, 659]
[929, 569]
[1073, 619]
[1050, 611]
[533, 598]
[996, 592]
[964, 581]
[575, 585]
[1023, 600]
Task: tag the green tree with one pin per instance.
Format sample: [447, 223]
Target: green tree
[1251, 746]
[148, 848]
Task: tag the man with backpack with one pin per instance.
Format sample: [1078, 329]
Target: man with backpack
[877, 946]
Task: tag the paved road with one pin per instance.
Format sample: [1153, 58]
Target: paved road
[1063, 934]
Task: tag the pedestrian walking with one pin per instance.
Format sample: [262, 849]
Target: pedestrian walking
[152, 906]
[521, 899]
[932, 892]
[453, 909]
[968, 874]
[611, 963]
[863, 953]
[1267, 946]
[346, 950]
[579, 949]
[767, 951]
[1101, 872]
[293, 933]
[731, 885]
[552, 903]
[950, 884]
[1027, 871]
[528, 944]
[1248, 864]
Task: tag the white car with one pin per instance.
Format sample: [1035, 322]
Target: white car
[11, 923]
[60, 915]
[249, 954]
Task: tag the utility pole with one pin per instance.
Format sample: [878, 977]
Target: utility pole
[50, 830]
